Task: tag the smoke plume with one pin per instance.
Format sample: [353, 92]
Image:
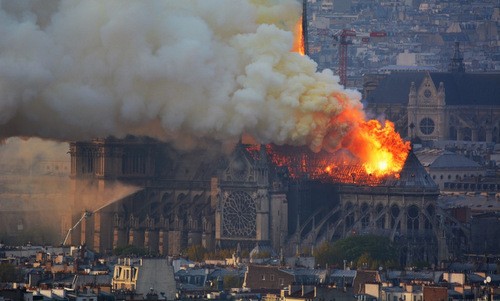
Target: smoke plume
[181, 71]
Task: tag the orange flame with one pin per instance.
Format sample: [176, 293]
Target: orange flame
[298, 43]
[380, 148]
[375, 152]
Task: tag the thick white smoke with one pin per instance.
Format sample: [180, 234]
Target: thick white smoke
[174, 70]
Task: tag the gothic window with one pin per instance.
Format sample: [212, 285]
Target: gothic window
[430, 211]
[239, 215]
[427, 93]
[134, 162]
[365, 221]
[412, 215]
[453, 133]
[394, 215]
[481, 134]
[381, 217]
[467, 134]
[349, 219]
[88, 163]
[427, 126]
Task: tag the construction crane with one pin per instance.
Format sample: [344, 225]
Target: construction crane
[343, 38]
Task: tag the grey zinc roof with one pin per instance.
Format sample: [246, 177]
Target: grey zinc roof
[428, 156]
[413, 175]
[474, 202]
[452, 160]
[436, 158]
[101, 280]
[460, 88]
[343, 273]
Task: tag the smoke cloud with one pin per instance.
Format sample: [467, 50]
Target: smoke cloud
[182, 71]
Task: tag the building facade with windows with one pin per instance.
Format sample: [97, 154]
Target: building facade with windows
[438, 106]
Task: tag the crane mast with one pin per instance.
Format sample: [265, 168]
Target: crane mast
[344, 38]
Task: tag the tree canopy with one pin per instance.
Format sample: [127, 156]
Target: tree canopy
[130, 250]
[363, 251]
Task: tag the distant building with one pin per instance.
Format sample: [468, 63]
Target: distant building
[445, 167]
[438, 106]
[144, 276]
[437, 293]
[267, 277]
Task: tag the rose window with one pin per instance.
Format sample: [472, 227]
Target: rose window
[239, 215]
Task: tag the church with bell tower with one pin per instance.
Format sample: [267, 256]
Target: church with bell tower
[438, 106]
[426, 110]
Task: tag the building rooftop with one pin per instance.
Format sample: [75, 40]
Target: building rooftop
[460, 88]
[413, 175]
[438, 158]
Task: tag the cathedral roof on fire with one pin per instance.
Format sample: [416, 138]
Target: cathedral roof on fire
[460, 88]
[413, 175]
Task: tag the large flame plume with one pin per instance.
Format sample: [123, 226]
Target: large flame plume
[186, 72]
[380, 150]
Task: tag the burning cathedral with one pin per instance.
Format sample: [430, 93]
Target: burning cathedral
[286, 198]
[214, 81]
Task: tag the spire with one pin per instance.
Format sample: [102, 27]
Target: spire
[412, 96]
[304, 26]
[457, 62]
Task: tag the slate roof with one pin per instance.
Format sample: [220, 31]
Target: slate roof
[100, 280]
[363, 277]
[479, 203]
[413, 175]
[461, 88]
[445, 159]
[451, 160]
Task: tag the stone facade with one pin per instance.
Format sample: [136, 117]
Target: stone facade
[175, 199]
[437, 106]
[144, 193]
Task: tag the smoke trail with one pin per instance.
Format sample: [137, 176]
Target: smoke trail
[174, 70]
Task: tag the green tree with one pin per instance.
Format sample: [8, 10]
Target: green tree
[219, 254]
[325, 254]
[196, 253]
[368, 251]
[232, 281]
[130, 250]
[9, 273]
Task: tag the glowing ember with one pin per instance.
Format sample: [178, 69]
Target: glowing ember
[339, 167]
[371, 153]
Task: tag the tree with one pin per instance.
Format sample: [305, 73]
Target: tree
[220, 254]
[232, 281]
[196, 253]
[9, 273]
[370, 251]
[130, 250]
